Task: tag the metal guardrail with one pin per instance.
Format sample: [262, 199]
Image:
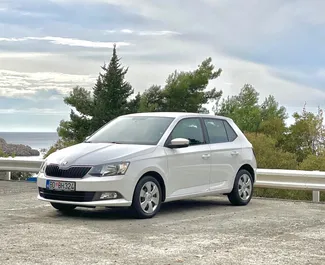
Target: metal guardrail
[266, 178]
[7, 164]
[292, 179]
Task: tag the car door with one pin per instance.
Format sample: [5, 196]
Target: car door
[188, 167]
[225, 153]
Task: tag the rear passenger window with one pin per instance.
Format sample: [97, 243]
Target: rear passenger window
[230, 131]
[216, 131]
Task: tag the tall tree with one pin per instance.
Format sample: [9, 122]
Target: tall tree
[110, 98]
[152, 100]
[250, 116]
[273, 118]
[111, 93]
[78, 126]
[270, 109]
[183, 91]
[243, 109]
[306, 136]
[186, 91]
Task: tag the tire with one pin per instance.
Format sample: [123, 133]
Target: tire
[236, 197]
[153, 199]
[63, 207]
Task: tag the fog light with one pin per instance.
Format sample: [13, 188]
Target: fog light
[108, 195]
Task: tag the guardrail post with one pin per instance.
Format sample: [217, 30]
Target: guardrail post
[316, 196]
[5, 175]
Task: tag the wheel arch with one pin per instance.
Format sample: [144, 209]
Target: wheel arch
[159, 178]
[250, 169]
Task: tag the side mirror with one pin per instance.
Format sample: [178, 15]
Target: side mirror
[87, 138]
[179, 143]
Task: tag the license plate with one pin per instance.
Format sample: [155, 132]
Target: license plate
[60, 185]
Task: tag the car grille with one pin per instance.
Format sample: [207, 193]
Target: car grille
[72, 172]
[74, 196]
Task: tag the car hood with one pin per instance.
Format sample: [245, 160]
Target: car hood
[97, 153]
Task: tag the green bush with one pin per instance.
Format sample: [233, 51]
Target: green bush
[21, 175]
[268, 155]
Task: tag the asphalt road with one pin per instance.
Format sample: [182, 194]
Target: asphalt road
[202, 231]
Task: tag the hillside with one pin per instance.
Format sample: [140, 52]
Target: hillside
[16, 149]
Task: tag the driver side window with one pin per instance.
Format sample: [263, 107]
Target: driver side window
[190, 129]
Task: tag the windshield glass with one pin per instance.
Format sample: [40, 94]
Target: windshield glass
[145, 130]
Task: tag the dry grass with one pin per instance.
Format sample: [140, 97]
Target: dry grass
[286, 194]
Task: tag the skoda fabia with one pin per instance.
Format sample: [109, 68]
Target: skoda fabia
[145, 159]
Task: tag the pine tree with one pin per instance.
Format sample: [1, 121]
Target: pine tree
[111, 92]
[108, 100]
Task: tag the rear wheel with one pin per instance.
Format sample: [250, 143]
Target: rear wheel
[147, 198]
[242, 191]
[63, 207]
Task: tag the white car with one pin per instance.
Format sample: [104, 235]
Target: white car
[142, 160]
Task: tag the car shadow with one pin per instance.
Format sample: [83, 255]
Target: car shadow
[168, 208]
[184, 206]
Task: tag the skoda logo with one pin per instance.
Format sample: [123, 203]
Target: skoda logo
[64, 163]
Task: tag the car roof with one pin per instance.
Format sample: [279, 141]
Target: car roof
[177, 115]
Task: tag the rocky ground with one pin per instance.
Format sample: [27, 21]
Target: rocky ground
[16, 149]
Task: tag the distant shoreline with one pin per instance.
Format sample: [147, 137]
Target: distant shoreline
[39, 141]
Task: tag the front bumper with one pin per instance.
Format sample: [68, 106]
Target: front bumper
[88, 191]
[102, 203]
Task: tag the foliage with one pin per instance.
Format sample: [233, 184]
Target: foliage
[152, 100]
[183, 91]
[306, 136]
[60, 144]
[21, 175]
[268, 155]
[2, 154]
[245, 110]
[313, 162]
[110, 98]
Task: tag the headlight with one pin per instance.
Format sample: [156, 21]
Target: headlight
[113, 169]
[43, 166]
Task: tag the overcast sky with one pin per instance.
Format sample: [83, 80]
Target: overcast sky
[49, 46]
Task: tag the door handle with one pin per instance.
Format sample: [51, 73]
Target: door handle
[234, 153]
[205, 156]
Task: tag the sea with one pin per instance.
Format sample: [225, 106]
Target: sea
[36, 140]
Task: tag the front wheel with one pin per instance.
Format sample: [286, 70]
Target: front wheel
[147, 198]
[63, 207]
[242, 191]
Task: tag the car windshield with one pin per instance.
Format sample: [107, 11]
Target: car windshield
[146, 130]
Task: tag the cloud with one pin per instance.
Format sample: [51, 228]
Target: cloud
[25, 85]
[22, 55]
[321, 73]
[278, 47]
[128, 31]
[33, 111]
[158, 33]
[68, 42]
[144, 33]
